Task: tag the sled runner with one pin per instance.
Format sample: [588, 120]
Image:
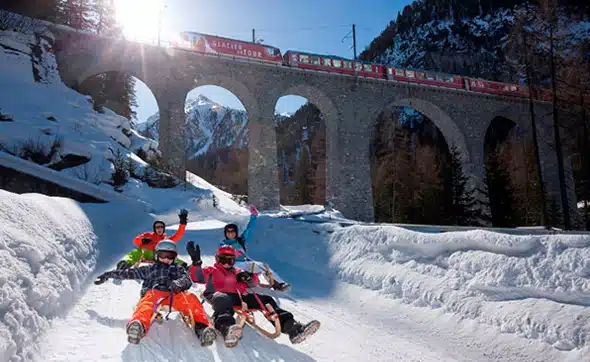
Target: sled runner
[157, 316]
[246, 316]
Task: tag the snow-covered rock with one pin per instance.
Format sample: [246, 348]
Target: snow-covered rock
[50, 124]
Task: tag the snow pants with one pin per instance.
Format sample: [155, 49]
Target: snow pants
[183, 302]
[224, 303]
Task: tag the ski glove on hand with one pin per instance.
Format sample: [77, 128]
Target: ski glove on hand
[244, 276]
[175, 286]
[101, 278]
[195, 252]
[183, 216]
[253, 210]
[146, 241]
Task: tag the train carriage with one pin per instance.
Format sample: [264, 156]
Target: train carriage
[425, 77]
[507, 89]
[331, 63]
[210, 44]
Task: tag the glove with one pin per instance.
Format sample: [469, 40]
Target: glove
[175, 286]
[122, 265]
[146, 241]
[183, 216]
[101, 278]
[253, 210]
[244, 276]
[195, 252]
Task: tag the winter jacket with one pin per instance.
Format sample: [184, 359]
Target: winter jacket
[157, 238]
[156, 276]
[220, 279]
[145, 255]
[240, 242]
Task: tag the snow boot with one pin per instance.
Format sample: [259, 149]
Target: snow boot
[232, 336]
[135, 332]
[206, 334]
[299, 333]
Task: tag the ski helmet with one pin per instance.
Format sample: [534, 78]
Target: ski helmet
[165, 245]
[226, 255]
[230, 227]
[158, 222]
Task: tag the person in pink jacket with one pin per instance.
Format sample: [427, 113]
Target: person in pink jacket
[226, 287]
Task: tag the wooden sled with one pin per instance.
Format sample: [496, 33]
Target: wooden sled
[246, 316]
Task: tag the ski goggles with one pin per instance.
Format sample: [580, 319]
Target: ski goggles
[226, 259]
[170, 255]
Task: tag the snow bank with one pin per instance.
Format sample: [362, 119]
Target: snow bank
[44, 121]
[47, 248]
[534, 286]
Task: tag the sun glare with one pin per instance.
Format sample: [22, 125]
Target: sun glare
[139, 18]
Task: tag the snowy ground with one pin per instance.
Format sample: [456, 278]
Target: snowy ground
[394, 294]
[380, 328]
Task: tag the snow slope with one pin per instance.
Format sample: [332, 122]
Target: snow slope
[395, 295]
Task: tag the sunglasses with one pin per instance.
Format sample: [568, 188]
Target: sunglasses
[166, 255]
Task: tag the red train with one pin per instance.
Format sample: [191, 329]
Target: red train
[220, 46]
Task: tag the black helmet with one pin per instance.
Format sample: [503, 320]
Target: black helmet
[158, 222]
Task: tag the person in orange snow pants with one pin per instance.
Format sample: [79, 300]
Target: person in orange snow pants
[167, 283]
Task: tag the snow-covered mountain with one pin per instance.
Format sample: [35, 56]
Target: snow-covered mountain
[209, 126]
[464, 38]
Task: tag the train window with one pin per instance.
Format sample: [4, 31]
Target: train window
[303, 58]
[326, 62]
[347, 64]
[420, 75]
[430, 76]
[399, 72]
[410, 74]
[337, 63]
[315, 60]
[367, 68]
[358, 67]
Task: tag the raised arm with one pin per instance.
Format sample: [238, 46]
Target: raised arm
[182, 220]
[251, 225]
[134, 273]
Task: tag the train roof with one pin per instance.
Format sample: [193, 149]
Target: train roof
[230, 39]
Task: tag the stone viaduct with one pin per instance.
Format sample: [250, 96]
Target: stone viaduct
[350, 106]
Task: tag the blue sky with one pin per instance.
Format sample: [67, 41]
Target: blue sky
[308, 25]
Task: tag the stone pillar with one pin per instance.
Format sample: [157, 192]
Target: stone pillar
[172, 133]
[263, 173]
[349, 167]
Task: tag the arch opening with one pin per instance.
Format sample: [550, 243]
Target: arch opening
[216, 138]
[511, 175]
[118, 92]
[411, 173]
[301, 149]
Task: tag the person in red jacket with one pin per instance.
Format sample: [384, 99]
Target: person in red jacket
[226, 287]
[146, 242]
